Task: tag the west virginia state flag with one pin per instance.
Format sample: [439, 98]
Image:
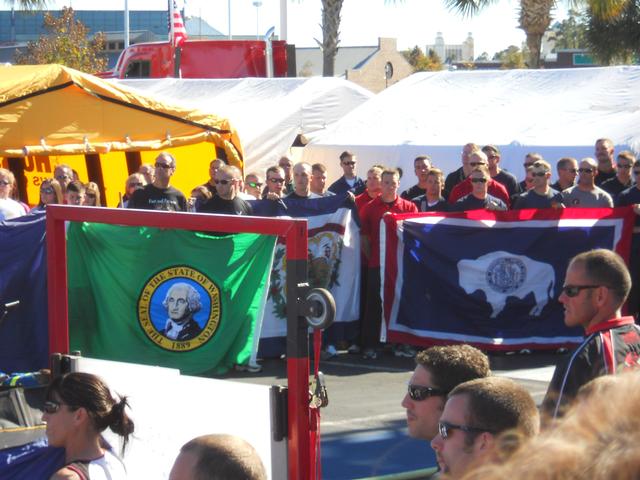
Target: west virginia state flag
[171, 298]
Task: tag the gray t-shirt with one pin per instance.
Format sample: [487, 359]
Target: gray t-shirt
[576, 198]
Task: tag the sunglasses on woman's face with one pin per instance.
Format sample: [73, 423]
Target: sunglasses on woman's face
[51, 406]
[46, 191]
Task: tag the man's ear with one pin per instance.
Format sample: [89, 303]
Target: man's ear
[485, 442]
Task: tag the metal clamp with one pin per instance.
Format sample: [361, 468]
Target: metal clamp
[319, 395]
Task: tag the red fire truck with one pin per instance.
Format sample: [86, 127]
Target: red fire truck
[206, 59]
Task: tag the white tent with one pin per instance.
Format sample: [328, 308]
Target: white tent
[268, 113]
[553, 112]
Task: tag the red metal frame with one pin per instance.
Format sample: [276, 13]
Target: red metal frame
[295, 233]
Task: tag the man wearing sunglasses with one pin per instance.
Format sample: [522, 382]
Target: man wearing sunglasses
[439, 370]
[595, 288]
[541, 195]
[604, 152]
[64, 175]
[214, 166]
[616, 185]
[586, 194]
[567, 168]
[349, 182]
[275, 183]
[479, 197]
[226, 200]
[478, 159]
[475, 414]
[160, 195]
[529, 159]
[253, 184]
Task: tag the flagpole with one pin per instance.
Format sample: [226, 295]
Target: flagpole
[126, 23]
[229, 16]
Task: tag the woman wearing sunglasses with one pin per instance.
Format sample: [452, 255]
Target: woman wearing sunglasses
[79, 407]
[92, 195]
[50, 192]
[9, 208]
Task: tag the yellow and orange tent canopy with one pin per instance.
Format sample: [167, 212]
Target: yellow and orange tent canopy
[51, 114]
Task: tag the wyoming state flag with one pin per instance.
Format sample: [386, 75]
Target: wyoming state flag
[172, 298]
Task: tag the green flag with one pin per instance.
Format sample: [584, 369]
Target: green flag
[172, 298]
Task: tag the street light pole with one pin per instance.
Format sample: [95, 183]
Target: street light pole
[257, 4]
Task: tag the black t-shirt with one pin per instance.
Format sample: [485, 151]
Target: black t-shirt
[470, 202]
[531, 199]
[216, 204]
[603, 177]
[613, 187]
[151, 197]
[509, 181]
[423, 206]
[413, 192]
[452, 180]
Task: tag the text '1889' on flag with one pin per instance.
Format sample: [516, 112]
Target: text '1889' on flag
[489, 278]
[172, 298]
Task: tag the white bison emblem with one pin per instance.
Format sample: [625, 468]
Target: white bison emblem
[502, 274]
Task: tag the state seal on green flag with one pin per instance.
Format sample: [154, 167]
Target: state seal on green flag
[172, 298]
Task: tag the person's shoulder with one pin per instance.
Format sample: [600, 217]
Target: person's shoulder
[65, 474]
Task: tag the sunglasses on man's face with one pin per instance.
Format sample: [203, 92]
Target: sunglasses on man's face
[276, 180]
[476, 164]
[351, 164]
[586, 170]
[137, 184]
[91, 195]
[419, 392]
[538, 174]
[444, 428]
[166, 166]
[255, 184]
[223, 182]
[478, 180]
[622, 165]
[573, 290]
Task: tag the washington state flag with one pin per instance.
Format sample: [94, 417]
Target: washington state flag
[172, 298]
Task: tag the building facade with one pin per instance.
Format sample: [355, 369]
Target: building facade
[449, 53]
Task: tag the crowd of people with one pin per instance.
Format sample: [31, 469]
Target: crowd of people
[479, 183]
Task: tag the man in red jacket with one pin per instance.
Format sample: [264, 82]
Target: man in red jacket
[372, 213]
[496, 189]
[595, 288]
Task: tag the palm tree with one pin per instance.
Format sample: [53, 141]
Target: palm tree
[27, 4]
[330, 35]
[535, 17]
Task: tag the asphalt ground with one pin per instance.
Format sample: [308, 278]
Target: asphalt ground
[363, 427]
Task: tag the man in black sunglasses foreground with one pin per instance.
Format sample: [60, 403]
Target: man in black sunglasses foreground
[477, 412]
[226, 200]
[160, 195]
[439, 370]
[595, 288]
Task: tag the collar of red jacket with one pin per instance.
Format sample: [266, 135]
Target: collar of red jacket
[616, 322]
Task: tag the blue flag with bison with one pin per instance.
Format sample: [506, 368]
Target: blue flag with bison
[490, 279]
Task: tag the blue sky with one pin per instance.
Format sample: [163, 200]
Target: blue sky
[412, 22]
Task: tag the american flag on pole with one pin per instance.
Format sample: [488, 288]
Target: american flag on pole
[177, 31]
